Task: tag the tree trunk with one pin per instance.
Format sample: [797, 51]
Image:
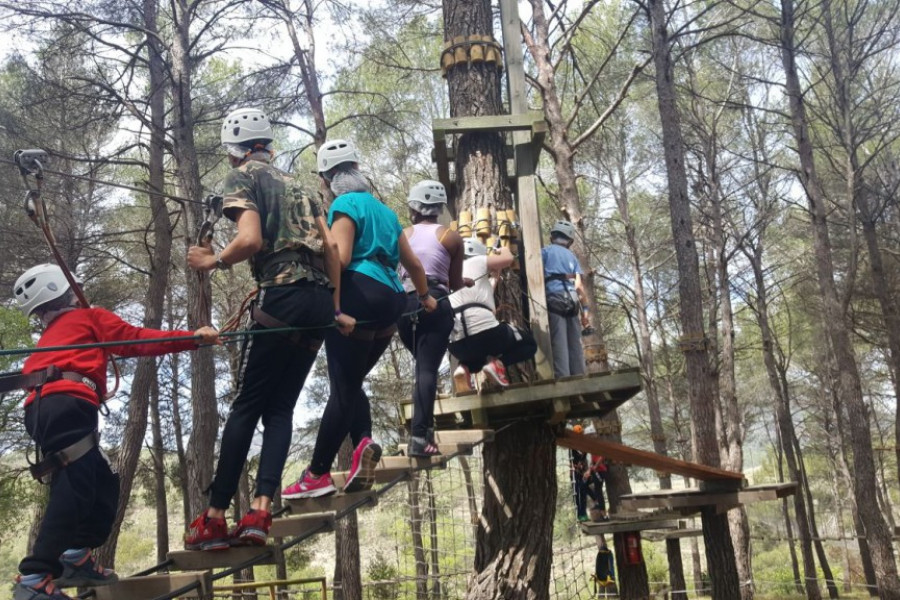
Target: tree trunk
[204, 413]
[719, 550]
[158, 454]
[513, 552]
[347, 575]
[416, 520]
[783, 417]
[847, 382]
[514, 542]
[145, 373]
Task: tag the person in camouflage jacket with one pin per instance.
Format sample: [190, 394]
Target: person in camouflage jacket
[282, 233]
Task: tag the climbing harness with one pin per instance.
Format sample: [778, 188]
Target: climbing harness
[34, 381]
[31, 163]
[44, 470]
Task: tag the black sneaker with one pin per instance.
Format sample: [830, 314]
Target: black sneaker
[86, 572]
[421, 448]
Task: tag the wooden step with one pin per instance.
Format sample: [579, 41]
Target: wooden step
[463, 436]
[395, 463]
[302, 524]
[153, 586]
[333, 503]
[623, 525]
[195, 560]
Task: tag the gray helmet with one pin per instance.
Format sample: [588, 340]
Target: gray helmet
[335, 152]
[428, 191]
[38, 286]
[563, 228]
[246, 125]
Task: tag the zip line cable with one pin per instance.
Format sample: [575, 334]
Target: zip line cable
[110, 183]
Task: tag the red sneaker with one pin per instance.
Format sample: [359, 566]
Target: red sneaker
[252, 529]
[362, 469]
[207, 533]
[497, 372]
[309, 486]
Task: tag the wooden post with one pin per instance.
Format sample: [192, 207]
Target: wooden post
[526, 191]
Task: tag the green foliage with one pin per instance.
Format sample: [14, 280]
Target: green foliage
[381, 570]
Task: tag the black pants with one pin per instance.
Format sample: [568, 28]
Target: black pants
[510, 344]
[83, 495]
[273, 372]
[350, 358]
[428, 343]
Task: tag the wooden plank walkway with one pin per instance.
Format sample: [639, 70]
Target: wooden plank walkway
[643, 458]
[697, 498]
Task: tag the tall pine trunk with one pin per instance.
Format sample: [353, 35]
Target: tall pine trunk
[848, 388]
[695, 346]
[204, 412]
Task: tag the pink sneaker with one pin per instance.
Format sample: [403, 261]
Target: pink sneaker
[362, 469]
[309, 486]
[497, 372]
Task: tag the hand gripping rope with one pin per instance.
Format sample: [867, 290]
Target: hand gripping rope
[31, 163]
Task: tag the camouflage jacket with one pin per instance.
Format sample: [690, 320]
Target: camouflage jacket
[292, 246]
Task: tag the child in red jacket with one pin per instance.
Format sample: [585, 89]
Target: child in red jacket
[61, 415]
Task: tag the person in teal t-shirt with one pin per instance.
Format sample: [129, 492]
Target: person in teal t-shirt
[370, 244]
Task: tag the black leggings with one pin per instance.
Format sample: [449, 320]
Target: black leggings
[428, 343]
[83, 495]
[510, 344]
[350, 358]
[274, 370]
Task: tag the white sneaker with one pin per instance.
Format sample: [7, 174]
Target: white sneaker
[497, 371]
[462, 379]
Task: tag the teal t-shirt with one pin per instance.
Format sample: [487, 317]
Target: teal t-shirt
[375, 248]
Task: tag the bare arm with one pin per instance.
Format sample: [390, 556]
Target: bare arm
[500, 260]
[454, 245]
[345, 323]
[343, 230]
[245, 244]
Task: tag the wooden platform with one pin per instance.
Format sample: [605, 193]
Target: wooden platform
[196, 560]
[620, 523]
[301, 525]
[554, 399]
[152, 586]
[695, 499]
[642, 458]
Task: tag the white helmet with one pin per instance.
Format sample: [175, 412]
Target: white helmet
[38, 286]
[335, 152]
[564, 228]
[428, 191]
[472, 246]
[246, 125]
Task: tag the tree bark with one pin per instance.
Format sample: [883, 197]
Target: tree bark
[719, 550]
[347, 575]
[204, 413]
[158, 454]
[160, 255]
[513, 551]
[847, 381]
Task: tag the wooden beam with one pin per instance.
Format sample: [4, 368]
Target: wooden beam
[332, 503]
[196, 560]
[696, 498]
[628, 525]
[525, 122]
[642, 458]
[622, 384]
[152, 586]
[301, 525]
[464, 436]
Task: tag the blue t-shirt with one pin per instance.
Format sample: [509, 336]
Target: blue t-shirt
[559, 260]
[375, 247]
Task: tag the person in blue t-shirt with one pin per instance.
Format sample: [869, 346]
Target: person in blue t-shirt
[566, 300]
[370, 243]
